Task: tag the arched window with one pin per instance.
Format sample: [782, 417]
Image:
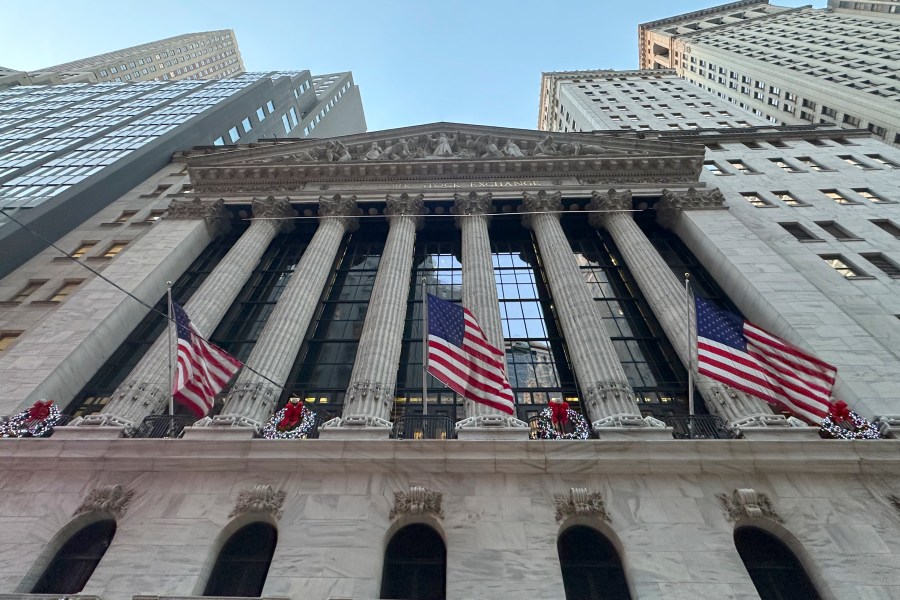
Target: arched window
[591, 567]
[74, 563]
[415, 565]
[775, 571]
[243, 562]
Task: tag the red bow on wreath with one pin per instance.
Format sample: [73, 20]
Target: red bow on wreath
[292, 415]
[40, 410]
[840, 411]
[559, 412]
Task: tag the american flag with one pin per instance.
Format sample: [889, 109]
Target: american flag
[202, 369]
[460, 356]
[740, 354]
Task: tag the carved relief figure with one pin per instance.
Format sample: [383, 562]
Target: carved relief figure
[374, 152]
[443, 144]
[490, 149]
[511, 149]
[399, 149]
[546, 147]
[579, 149]
[336, 151]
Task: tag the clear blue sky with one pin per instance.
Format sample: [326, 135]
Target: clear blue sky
[470, 61]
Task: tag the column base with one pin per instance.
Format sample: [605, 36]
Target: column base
[764, 421]
[888, 425]
[356, 428]
[492, 427]
[793, 434]
[95, 432]
[633, 433]
[213, 432]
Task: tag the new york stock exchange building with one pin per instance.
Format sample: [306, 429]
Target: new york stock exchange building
[309, 260]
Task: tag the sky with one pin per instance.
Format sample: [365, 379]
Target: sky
[465, 61]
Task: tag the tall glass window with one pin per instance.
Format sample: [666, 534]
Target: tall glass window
[415, 565]
[75, 562]
[591, 567]
[321, 373]
[243, 562]
[775, 571]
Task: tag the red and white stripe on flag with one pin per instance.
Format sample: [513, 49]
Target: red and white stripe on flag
[202, 371]
[475, 370]
[773, 370]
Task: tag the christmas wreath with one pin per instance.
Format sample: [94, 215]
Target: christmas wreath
[37, 421]
[559, 422]
[290, 423]
[844, 424]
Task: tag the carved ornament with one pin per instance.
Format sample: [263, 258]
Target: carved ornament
[580, 503]
[417, 501]
[673, 203]
[609, 202]
[744, 503]
[196, 208]
[473, 204]
[260, 498]
[106, 498]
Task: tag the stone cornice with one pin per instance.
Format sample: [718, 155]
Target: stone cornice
[726, 457]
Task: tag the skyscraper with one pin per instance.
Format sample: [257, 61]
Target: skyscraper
[789, 65]
[66, 151]
[201, 55]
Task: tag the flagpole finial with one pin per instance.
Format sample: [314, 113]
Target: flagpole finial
[168, 284]
[687, 276]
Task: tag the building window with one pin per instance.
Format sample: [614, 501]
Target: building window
[75, 562]
[154, 216]
[836, 231]
[591, 567]
[415, 565]
[854, 162]
[114, 249]
[260, 114]
[233, 134]
[872, 196]
[714, 168]
[243, 562]
[813, 165]
[126, 214]
[219, 141]
[884, 264]
[286, 123]
[888, 226]
[842, 266]
[773, 568]
[838, 197]
[245, 123]
[883, 161]
[756, 200]
[83, 249]
[785, 166]
[65, 289]
[742, 167]
[788, 198]
[270, 107]
[30, 288]
[800, 232]
[7, 338]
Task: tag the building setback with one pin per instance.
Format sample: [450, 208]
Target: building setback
[201, 55]
[789, 65]
[305, 258]
[66, 151]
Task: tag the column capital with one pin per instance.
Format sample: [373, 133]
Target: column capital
[609, 202]
[343, 207]
[406, 205]
[472, 204]
[197, 208]
[541, 202]
[672, 204]
[273, 208]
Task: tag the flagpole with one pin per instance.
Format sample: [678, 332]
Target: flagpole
[690, 344]
[424, 350]
[169, 331]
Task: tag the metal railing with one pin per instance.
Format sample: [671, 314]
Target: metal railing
[162, 426]
[699, 427]
[420, 427]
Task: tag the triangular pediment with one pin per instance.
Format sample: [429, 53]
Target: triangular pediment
[443, 150]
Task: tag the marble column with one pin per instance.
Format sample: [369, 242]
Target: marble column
[251, 400]
[370, 394]
[608, 397]
[479, 295]
[666, 295]
[147, 388]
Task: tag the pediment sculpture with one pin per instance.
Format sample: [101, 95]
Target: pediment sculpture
[441, 146]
